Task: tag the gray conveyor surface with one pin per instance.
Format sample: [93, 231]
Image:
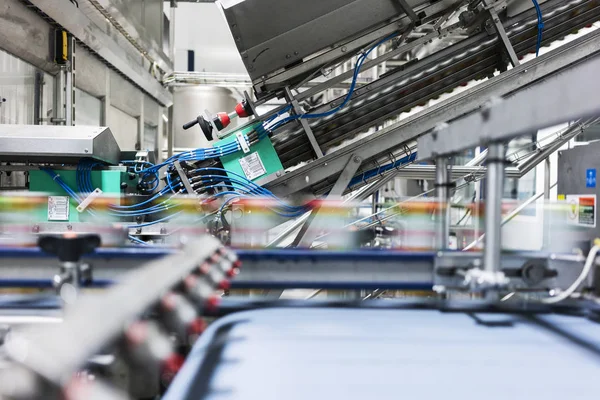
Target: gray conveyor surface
[413, 354]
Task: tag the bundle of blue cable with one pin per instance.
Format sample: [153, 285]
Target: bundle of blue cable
[238, 186]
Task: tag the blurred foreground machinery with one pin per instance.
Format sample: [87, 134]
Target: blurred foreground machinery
[411, 81]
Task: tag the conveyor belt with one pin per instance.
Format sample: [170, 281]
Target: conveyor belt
[473, 58]
[382, 354]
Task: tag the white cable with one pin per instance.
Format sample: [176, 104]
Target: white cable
[589, 262]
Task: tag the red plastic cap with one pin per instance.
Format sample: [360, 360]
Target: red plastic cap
[169, 302]
[204, 268]
[232, 272]
[77, 388]
[190, 282]
[212, 303]
[172, 365]
[137, 333]
[224, 284]
[197, 326]
[241, 111]
[224, 118]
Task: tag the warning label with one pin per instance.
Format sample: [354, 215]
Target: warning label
[582, 210]
[252, 166]
[58, 208]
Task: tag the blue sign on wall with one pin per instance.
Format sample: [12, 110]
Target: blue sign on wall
[590, 178]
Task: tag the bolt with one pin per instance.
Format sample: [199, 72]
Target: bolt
[485, 113]
[69, 227]
[357, 159]
[278, 173]
[288, 56]
[344, 49]
[36, 228]
[296, 53]
[86, 150]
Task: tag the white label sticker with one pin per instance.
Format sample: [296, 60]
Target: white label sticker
[252, 166]
[58, 208]
[582, 210]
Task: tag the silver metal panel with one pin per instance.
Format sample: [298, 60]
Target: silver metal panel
[268, 43]
[51, 143]
[144, 26]
[126, 61]
[563, 97]
[17, 89]
[25, 34]
[390, 138]
[91, 73]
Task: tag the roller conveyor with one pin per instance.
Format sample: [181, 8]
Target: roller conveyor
[412, 85]
[472, 59]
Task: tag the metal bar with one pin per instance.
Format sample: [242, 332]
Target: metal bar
[573, 130]
[70, 84]
[343, 270]
[309, 133]
[493, 207]
[514, 60]
[305, 237]
[442, 182]
[409, 11]
[510, 216]
[408, 129]
[81, 27]
[567, 96]
[546, 214]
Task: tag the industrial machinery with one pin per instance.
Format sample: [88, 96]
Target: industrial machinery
[369, 91]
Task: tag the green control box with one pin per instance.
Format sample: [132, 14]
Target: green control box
[61, 206]
[260, 162]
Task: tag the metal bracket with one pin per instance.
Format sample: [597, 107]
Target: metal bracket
[304, 237]
[184, 178]
[410, 12]
[514, 60]
[309, 133]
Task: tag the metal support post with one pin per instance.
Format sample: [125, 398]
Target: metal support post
[58, 106]
[70, 85]
[170, 132]
[304, 237]
[442, 183]
[309, 133]
[493, 208]
[514, 60]
[546, 214]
